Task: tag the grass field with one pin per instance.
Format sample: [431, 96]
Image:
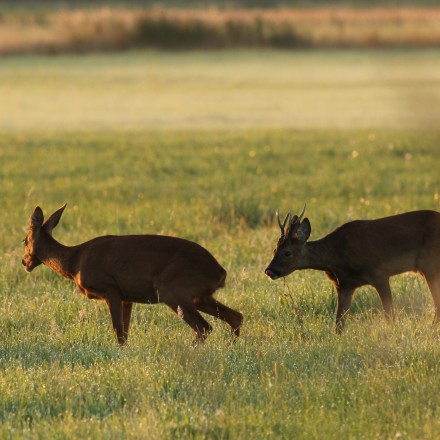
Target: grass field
[206, 147]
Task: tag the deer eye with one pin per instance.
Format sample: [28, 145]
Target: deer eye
[25, 242]
[287, 254]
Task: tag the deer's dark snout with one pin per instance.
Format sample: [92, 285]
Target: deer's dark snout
[271, 273]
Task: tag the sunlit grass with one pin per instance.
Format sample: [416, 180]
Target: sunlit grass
[288, 375]
[186, 145]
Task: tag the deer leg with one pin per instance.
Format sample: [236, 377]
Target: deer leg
[191, 316]
[384, 291]
[216, 308]
[433, 281]
[345, 297]
[115, 306]
[126, 316]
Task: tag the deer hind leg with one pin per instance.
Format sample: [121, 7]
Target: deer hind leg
[191, 316]
[215, 308]
[384, 290]
[433, 281]
[345, 297]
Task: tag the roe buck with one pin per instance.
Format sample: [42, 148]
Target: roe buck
[122, 270]
[363, 252]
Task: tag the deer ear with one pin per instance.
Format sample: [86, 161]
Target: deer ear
[37, 218]
[304, 230]
[53, 220]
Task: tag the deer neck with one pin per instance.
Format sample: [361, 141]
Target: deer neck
[60, 258]
[321, 255]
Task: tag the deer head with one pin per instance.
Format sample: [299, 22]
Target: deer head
[289, 254]
[38, 230]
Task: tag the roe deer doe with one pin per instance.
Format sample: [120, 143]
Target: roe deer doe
[363, 252]
[122, 270]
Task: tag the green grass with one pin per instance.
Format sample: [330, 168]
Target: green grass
[288, 376]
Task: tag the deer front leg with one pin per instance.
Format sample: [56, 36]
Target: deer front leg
[384, 290]
[126, 316]
[345, 297]
[115, 306]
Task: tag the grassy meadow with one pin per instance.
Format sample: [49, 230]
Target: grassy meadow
[206, 146]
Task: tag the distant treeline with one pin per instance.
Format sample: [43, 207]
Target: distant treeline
[83, 30]
[222, 4]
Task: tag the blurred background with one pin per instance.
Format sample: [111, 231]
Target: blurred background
[219, 64]
[80, 26]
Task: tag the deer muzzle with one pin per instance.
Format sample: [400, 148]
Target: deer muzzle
[271, 273]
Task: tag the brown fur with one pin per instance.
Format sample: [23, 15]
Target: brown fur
[365, 252]
[122, 270]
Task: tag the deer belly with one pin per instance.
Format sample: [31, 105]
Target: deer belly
[146, 296]
[400, 264]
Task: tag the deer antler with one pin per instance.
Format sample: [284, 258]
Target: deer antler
[296, 220]
[283, 225]
[302, 213]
